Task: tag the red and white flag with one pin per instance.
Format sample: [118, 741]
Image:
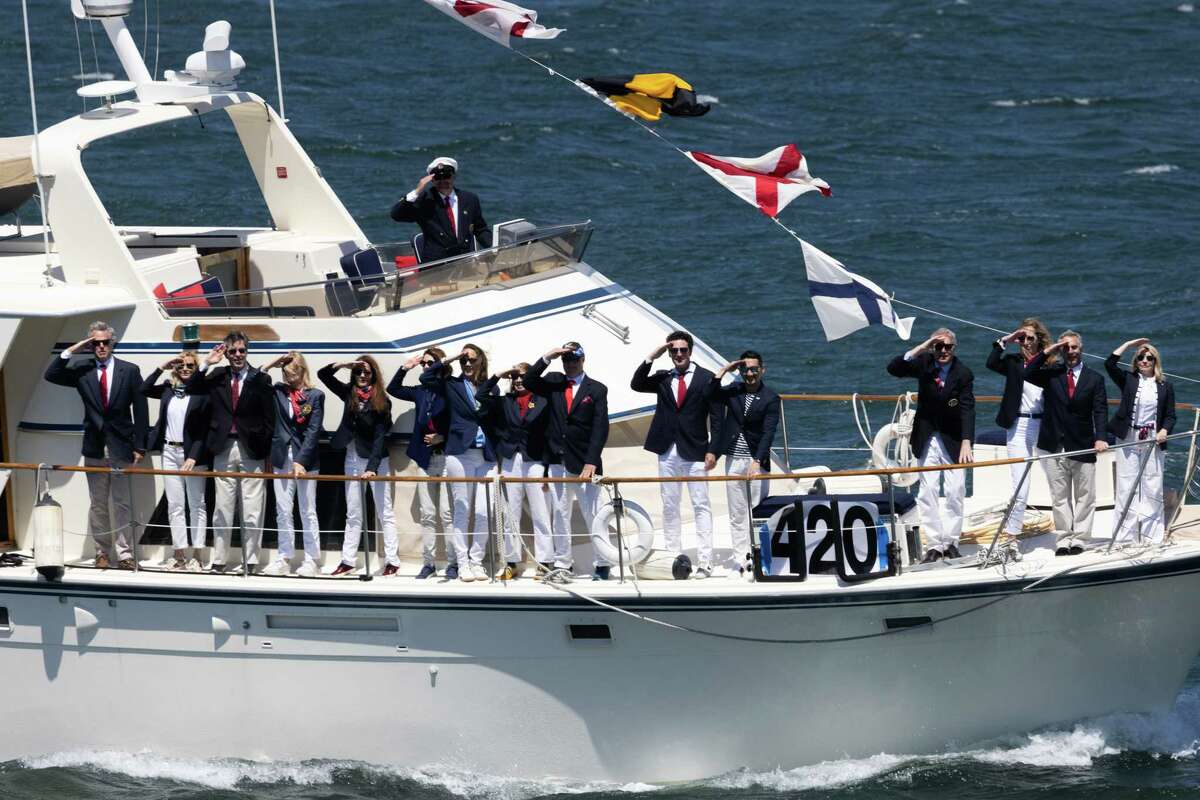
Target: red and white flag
[496, 19]
[770, 181]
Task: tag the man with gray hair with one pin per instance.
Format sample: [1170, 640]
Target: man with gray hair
[1076, 418]
[942, 433]
[115, 428]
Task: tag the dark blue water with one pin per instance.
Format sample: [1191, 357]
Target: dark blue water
[988, 160]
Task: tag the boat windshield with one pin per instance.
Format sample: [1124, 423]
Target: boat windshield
[396, 282]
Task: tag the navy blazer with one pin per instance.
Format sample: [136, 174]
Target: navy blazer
[442, 241]
[465, 414]
[255, 411]
[1164, 418]
[575, 437]
[758, 424]
[1070, 423]
[195, 421]
[124, 425]
[429, 406]
[513, 433]
[949, 412]
[367, 430]
[1012, 367]
[303, 438]
[687, 427]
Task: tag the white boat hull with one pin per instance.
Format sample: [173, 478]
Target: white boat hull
[488, 678]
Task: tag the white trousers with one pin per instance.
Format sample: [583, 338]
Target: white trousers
[469, 464]
[180, 489]
[1022, 442]
[116, 525]
[941, 516]
[1073, 495]
[1145, 520]
[565, 495]
[231, 459]
[434, 500]
[670, 465]
[539, 513]
[286, 490]
[742, 498]
[385, 518]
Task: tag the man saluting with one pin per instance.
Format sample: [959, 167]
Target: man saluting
[115, 427]
[450, 219]
[942, 434]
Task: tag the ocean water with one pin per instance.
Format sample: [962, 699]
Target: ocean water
[988, 161]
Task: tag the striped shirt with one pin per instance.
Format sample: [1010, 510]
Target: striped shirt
[738, 448]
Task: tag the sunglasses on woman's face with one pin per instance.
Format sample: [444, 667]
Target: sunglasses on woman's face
[1147, 357]
[364, 373]
[186, 367]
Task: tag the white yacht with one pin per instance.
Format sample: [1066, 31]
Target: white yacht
[847, 653]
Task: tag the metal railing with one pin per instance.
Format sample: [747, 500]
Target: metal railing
[615, 484]
[545, 252]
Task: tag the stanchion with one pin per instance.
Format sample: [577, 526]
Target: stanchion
[1149, 447]
[133, 531]
[491, 537]
[891, 484]
[366, 529]
[1007, 513]
[787, 451]
[618, 512]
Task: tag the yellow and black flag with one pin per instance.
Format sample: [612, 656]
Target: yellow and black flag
[648, 96]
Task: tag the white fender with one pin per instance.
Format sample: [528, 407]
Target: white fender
[898, 431]
[48, 538]
[637, 548]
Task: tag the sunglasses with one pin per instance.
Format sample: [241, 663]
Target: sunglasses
[428, 362]
[186, 367]
[682, 351]
[364, 373]
[943, 348]
[1147, 357]
[237, 351]
[470, 360]
[1020, 338]
[749, 370]
[102, 342]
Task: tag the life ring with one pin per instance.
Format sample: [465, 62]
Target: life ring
[899, 431]
[635, 550]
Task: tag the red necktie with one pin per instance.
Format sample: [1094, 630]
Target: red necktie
[234, 392]
[680, 392]
[523, 403]
[941, 384]
[104, 388]
[570, 395]
[1070, 384]
[450, 216]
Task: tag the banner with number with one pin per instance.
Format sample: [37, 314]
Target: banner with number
[824, 536]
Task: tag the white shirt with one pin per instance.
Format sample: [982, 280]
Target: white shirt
[1032, 399]
[412, 198]
[1145, 403]
[176, 414]
[1075, 370]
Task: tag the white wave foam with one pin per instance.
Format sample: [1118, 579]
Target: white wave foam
[1185, 8]
[214, 773]
[225, 773]
[1076, 748]
[708, 98]
[826, 775]
[1156, 169]
[1045, 101]
[93, 76]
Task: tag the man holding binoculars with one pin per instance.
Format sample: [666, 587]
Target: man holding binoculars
[451, 219]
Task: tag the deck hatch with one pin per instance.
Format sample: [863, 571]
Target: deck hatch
[313, 622]
[590, 632]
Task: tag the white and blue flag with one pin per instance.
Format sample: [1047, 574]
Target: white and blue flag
[846, 302]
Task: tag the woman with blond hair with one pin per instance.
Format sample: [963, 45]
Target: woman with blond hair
[1147, 412]
[469, 454]
[179, 434]
[366, 420]
[299, 410]
[1021, 407]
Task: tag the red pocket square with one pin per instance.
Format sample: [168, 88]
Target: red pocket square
[587, 399]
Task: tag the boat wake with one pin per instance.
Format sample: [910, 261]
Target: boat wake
[1173, 736]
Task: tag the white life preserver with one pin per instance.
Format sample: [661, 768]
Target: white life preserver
[900, 430]
[635, 550]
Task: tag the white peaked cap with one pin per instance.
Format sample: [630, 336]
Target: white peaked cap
[442, 161]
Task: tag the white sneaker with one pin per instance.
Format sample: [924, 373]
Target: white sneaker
[277, 567]
[308, 569]
[478, 572]
[465, 573]
[193, 565]
[703, 571]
